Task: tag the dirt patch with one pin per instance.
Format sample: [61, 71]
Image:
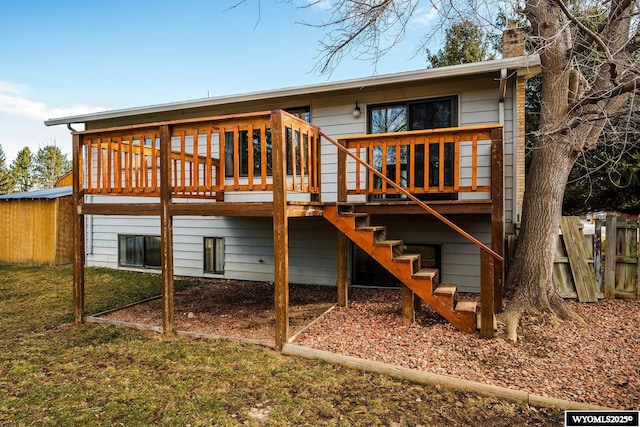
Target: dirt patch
[240, 309]
[596, 362]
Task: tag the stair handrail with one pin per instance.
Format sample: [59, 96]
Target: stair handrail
[413, 198]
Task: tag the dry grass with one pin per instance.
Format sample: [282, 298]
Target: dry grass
[52, 373]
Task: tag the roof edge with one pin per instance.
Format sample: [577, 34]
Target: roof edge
[44, 194]
[520, 62]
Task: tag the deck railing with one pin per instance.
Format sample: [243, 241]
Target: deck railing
[443, 161]
[208, 156]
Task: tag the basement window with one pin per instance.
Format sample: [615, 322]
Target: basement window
[214, 255]
[138, 251]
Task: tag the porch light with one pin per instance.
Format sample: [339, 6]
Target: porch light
[356, 111]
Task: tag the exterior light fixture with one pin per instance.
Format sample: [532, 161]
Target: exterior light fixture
[356, 111]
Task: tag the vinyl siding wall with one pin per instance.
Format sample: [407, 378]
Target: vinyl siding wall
[249, 241]
[248, 244]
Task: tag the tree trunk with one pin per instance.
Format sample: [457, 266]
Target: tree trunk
[531, 271]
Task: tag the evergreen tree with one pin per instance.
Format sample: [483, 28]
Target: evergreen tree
[49, 165]
[465, 42]
[22, 169]
[6, 180]
[606, 178]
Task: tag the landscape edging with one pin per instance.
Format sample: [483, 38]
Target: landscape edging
[427, 378]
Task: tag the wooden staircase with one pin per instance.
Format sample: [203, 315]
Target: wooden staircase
[405, 267]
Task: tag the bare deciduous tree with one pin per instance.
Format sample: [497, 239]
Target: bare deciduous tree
[590, 76]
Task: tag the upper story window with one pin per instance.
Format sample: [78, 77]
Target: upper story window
[431, 113]
[414, 115]
[260, 159]
[303, 113]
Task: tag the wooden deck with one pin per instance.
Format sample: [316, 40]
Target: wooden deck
[206, 160]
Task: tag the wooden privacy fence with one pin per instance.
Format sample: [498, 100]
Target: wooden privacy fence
[591, 265]
[622, 258]
[602, 266]
[208, 156]
[36, 230]
[573, 269]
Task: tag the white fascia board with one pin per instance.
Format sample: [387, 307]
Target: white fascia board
[529, 63]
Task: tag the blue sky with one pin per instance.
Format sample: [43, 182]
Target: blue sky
[60, 58]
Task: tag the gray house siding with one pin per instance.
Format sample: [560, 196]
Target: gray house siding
[248, 245]
[248, 242]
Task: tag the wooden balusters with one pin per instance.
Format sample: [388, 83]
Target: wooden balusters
[125, 160]
[443, 161]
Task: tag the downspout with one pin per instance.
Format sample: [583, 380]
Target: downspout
[501, 119]
[502, 95]
[89, 231]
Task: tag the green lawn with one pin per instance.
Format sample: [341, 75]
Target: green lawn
[54, 373]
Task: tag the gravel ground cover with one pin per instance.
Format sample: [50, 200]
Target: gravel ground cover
[594, 362]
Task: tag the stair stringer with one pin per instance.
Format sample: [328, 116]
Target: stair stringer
[383, 253]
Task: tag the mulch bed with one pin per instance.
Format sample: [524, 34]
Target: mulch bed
[231, 308]
[596, 362]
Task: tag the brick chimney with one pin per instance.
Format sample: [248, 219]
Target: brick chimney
[512, 42]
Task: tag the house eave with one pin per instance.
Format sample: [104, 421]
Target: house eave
[526, 65]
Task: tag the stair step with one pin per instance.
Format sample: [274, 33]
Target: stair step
[345, 208]
[412, 259]
[445, 290]
[355, 214]
[371, 228]
[406, 258]
[396, 246]
[426, 273]
[360, 219]
[467, 306]
[379, 232]
[388, 243]
[431, 274]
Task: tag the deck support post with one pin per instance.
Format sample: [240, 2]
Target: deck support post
[343, 284]
[497, 214]
[78, 234]
[280, 231]
[487, 281]
[343, 252]
[408, 305]
[166, 234]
